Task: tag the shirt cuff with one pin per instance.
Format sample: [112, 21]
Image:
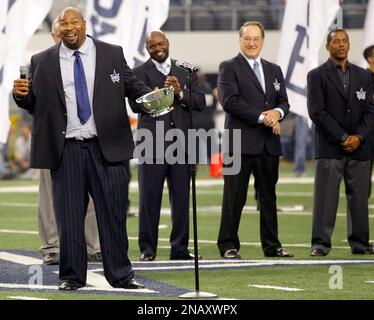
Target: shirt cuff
[281, 112]
[261, 119]
[360, 137]
[344, 137]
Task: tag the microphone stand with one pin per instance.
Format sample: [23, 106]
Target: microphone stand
[197, 293]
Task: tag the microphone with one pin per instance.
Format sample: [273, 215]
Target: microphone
[187, 66]
[23, 72]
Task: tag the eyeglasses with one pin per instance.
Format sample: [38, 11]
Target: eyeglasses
[256, 40]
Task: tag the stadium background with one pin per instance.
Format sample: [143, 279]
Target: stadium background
[205, 33]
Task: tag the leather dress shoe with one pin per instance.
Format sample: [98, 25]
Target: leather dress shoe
[231, 254]
[279, 252]
[96, 257]
[318, 253]
[69, 285]
[184, 256]
[369, 250]
[51, 258]
[146, 257]
[132, 284]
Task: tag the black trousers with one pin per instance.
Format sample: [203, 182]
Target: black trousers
[151, 183]
[265, 169]
[84, 170]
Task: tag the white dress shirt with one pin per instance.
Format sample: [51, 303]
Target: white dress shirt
[163, 67]
[88, 55]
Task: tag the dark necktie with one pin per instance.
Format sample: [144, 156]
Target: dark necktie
[81, 92]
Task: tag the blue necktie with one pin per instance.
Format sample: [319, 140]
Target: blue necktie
[81, 92]
[256, 69]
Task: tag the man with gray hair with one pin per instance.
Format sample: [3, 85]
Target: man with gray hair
[253, 95]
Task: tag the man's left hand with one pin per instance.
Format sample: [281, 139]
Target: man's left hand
[351, 143]
[271, 117]
[172, 81]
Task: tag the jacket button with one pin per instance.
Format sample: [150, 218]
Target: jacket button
[348, 110]
[63, 132]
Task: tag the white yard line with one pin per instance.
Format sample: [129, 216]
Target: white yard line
[260, 286]
[18, 231]
[134, 184]
[254, 244]
[18, 205]
[25, 298]
[20, 259]
[41, 287]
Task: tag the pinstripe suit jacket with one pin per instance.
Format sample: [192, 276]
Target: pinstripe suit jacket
[46, 101]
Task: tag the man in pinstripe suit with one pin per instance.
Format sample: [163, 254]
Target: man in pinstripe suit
[83, 135]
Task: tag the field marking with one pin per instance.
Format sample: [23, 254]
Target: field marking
[25, 298]
[95, 278]
[20, 259]
[42, 287]
[134, 184]
[18, 205]
[244, 243]
[19, 231]
[260, 286]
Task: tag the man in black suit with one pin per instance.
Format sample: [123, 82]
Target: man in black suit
[76, 92]
[340, 103]
[369, 57]
[253, 95]
[161, 71]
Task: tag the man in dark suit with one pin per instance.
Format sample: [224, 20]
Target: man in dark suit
[253, 95]
[81, 132]
[369, 57]
[161, 71]
[340, 103]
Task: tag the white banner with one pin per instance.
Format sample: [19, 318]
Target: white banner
[19, 19]
[368, 29]
[304, 29]
[126, 23]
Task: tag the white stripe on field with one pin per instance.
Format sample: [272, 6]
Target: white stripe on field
[255, 244]
[274, 287]
[41, 287]
[18, 231]
[18, 205]
[20, 259]
[25, 298]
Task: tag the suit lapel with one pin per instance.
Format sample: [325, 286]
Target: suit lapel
[245, 65]
[335, 80]
[55, 69]
[353, 82]
[99, 67]
[267, 75]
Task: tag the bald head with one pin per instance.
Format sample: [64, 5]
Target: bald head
[73, 9]
[72, 27]
[157, 46]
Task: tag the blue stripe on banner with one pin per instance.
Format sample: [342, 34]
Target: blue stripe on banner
[1, 75]
[10, 4]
